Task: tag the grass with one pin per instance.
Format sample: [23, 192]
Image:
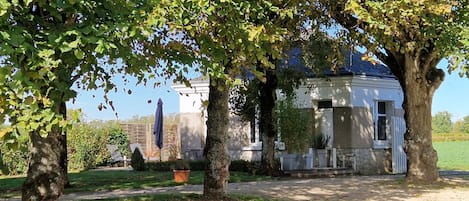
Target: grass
[106, 180]
[187, 197]
[453, 155]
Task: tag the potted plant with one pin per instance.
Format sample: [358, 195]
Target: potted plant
[319, 143]
[181, 171]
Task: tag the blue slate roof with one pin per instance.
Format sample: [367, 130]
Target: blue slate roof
[353, 65]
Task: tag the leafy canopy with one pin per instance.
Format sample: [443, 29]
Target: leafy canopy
[46, 47]
[429, 30]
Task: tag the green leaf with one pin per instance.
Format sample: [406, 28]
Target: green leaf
[46, 53]
[79, 54]
[5, 35]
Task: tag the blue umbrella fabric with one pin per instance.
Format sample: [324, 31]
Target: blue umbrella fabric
[158, 126]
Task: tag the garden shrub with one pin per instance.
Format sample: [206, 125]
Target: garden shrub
[294, 125]
[14, 157]
[118, 137]
[199, 165]
[87, 146]
[13, 161]
[137, 161]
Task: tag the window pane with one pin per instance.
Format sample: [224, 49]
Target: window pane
[325, 104]
[381, 128]
[381, 107]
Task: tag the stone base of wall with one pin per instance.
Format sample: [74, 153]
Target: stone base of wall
[368, 161]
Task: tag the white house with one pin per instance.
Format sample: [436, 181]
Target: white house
[359, 107]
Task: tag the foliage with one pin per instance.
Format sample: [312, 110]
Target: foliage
[87, 145]
[465, 125]
[411, 38]
[13, 157]
[458, 126]
[452, 155]
[294, 125]
[13, 161]
[118, 137]
[168, 119]
[181, 164]
[235, 166]
[441, 122]
[137, 161]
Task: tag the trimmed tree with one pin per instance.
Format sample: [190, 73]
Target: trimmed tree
[46, 47]
[228, 36]
[411, 38]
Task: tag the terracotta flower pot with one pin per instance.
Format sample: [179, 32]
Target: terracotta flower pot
[181, 176]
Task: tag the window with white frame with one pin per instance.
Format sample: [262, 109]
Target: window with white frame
[382, 123]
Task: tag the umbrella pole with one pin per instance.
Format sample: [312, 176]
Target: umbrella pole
[161, 156]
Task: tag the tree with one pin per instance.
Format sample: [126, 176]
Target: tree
[465, 124]
[411, 38]
[458, 126]
[48, 46]
[441, 122]
[229, 36]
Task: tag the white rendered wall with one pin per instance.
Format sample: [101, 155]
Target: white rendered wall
[191, 99]
[357, 91]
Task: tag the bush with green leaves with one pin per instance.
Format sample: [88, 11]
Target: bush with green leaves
[118, 137]
[86, 145]
[294, 125]
[13, 160]
[137, 161]
[14, 155]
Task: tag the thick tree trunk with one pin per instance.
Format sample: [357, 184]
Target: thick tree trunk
[419, 88]
[269, 165]
[47, 171]
[45, 180]
[216, 147]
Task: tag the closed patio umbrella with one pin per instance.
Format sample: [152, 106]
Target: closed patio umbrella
[158, 126]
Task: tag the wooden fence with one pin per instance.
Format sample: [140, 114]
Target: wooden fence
[143, 135]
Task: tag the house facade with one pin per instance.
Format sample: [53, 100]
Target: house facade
[358, 108]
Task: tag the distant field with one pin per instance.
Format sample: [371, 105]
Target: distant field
[453, 155]
[443, 137]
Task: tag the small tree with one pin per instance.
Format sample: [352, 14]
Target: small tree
[294, 125]
[465, 124]
[137, 161]
[441, 122]
[458, 126]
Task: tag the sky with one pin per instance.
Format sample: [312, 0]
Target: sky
[452, 96]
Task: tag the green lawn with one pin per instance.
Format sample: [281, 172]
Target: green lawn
[453, 155]
[105, 180]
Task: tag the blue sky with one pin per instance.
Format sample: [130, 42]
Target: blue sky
[451, 96]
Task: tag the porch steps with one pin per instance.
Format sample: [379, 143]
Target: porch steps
[319, 172]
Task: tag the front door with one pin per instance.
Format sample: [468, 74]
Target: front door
[324, 124]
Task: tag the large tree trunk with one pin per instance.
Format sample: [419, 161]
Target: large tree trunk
[45, 180]
[47, 171]
[216, 146]
[419, 84]
[269, 165]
